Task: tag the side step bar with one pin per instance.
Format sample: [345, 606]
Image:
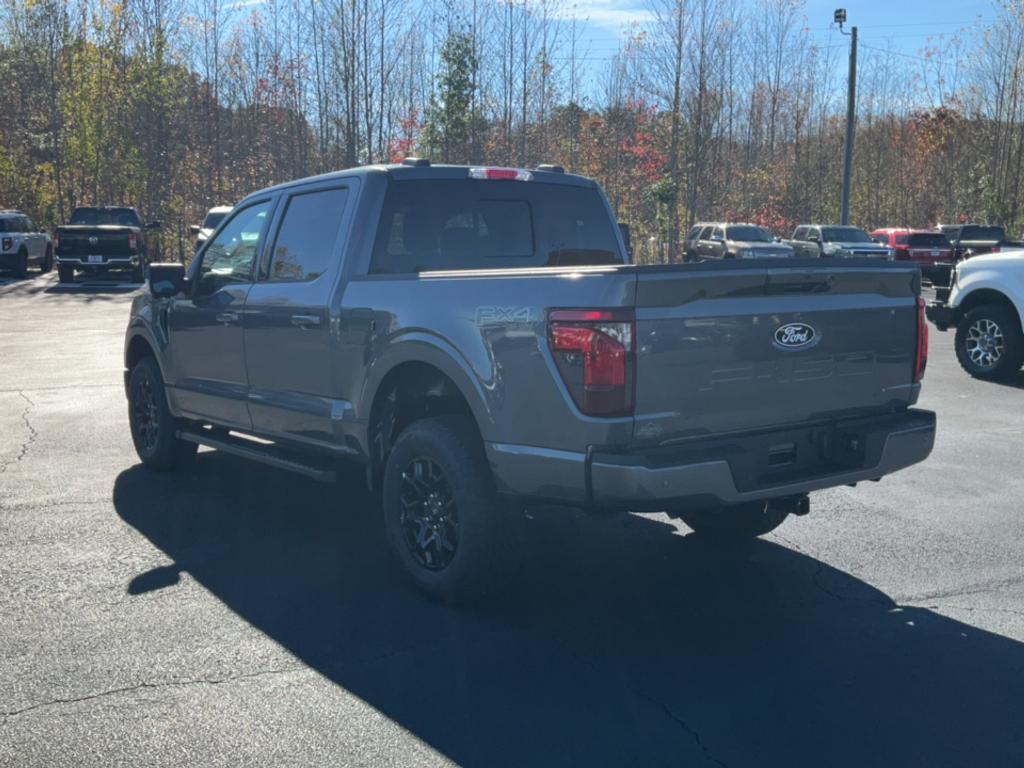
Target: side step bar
[269, 454]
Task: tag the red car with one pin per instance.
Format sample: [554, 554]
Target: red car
[926, 248]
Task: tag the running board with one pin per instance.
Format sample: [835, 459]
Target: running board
[268, 454]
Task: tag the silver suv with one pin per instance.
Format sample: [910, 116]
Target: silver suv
[721, 240]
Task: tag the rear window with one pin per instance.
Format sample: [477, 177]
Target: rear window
[474, 224]
[982, 233]
[96, 217]
[928, 240]
[750, 234]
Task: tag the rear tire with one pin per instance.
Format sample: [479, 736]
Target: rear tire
[153, 427]
[65, 274]
[441, 514]
[989, 343]
[734, 523]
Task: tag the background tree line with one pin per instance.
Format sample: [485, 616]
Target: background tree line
[708, 109]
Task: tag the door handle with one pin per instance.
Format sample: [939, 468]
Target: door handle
[227, 317]
[305, 321]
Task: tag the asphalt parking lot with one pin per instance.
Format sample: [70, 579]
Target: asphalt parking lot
[237, 615]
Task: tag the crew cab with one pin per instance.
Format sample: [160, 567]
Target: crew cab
[836, 241]
[100, 240]
[476, 340]
[985, 304]
[970, 240]
[22, 244]
[930, 250]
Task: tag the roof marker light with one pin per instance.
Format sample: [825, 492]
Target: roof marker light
[500, 174]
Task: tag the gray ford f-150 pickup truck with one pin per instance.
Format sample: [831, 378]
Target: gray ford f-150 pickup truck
[476, 335]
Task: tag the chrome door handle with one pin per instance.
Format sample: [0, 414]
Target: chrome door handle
[227, 317]
[305, 321]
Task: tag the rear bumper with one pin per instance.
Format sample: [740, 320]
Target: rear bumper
[720, 471]
[110, 262]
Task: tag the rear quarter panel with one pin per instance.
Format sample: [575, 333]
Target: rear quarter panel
[487, 332]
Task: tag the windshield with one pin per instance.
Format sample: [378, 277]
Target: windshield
[928, 240]
[749, 234]
[98, 217]
[213, 219]
[845, 235]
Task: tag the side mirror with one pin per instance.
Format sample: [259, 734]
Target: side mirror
[194, 229]
[167, 280]
[154, 225]
[813, 239]
[626, 237]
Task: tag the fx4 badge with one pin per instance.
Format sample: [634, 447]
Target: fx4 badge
[795, 336]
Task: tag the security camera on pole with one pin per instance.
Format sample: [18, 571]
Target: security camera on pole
[839, 17]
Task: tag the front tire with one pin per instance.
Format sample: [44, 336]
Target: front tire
[734, 523]
[47, 264]
[153, 427]
[21, 270]
[989, 343]
[441, 515]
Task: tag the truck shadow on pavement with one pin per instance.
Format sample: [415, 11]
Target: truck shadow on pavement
[620, 643]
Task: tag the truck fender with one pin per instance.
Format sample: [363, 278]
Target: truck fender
[430, 349]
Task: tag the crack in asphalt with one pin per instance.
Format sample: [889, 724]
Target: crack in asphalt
[682, 724]
[32, 433]
[9, 715]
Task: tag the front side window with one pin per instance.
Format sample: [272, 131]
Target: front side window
[230, 257]
[309, 230]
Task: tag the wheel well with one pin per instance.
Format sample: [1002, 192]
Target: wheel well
[410, 391]
[138, 348]
[987, 297]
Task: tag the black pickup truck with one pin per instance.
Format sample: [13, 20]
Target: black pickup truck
[102, 239]
[477, 336]
[976, 239]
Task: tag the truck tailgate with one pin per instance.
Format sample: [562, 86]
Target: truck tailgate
[731, 348]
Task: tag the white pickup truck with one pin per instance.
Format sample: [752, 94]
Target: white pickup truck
[985, 303]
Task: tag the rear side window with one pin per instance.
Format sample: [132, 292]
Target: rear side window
[10, 225]
[306, 238]
[477, 224]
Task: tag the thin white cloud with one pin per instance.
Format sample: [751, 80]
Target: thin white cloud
[611, 15]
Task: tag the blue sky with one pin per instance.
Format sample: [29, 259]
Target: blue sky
[902, 25]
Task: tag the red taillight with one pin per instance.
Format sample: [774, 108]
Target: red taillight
[995, 249]
[7, 243]
[921, 357]
[593, 350]
[500, 174]
[56, 240]
[132, 240]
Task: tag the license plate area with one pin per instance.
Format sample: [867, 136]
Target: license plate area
[95, 258]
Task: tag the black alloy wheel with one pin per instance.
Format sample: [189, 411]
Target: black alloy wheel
[429, 516]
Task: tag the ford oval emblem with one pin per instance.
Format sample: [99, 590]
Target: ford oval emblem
[795, 336]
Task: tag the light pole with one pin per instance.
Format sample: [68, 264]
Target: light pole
[851, 109]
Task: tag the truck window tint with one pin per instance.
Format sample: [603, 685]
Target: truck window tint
[305, 241]
[928, 240]
[229, 258]
[475, 224]
[95, 217]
